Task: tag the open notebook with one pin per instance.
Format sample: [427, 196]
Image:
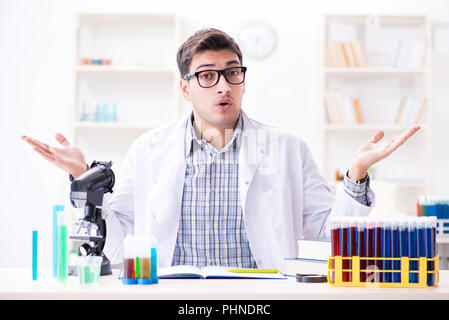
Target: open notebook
[187, 271]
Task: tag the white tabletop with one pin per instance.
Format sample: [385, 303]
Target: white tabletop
[17, 284]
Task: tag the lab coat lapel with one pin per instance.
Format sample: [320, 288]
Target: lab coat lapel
[252, 151]
[172, 169]
[166, 193]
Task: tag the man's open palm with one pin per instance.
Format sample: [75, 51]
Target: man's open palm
[69, 158]
[375, 150]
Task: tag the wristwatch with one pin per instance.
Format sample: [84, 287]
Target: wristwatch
[357, 181]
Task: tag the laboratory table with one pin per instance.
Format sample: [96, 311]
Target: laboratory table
[17, 284]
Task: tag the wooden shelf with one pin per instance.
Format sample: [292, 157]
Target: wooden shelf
[122, 69]
[128, 18]
[375, 70]
[370, 126]
[141, 85]
[380, 90]
[111, 125]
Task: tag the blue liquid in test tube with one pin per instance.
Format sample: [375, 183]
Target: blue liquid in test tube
[153, 272]
[430, 224]
[386, 249]
[154, 277]
[421, 238]
[412, 250]
[396, 265]
[403, 239]
[34, 255]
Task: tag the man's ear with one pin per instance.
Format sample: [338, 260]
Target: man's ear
[184, 84]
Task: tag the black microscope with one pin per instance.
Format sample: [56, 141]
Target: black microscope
[87, 191]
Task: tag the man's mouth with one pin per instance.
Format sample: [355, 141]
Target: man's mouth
[223, 104]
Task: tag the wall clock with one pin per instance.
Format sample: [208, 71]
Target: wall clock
[257, 40]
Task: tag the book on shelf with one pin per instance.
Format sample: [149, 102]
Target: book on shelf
[411, 110]
[342, 109]
[409, 54]
[312, 257]
[345, 54]
[189, 271]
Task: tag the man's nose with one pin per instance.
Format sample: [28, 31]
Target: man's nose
[223, 86]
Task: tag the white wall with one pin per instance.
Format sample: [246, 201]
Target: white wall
[34, 89]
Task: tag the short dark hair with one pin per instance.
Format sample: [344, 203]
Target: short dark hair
[204, 39]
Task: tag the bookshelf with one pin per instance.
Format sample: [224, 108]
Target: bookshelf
[393, 73]
[124, 80]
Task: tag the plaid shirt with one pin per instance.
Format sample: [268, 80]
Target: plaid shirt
[211, 228]
[357, 189]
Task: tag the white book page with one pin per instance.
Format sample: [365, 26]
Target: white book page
[183, 270]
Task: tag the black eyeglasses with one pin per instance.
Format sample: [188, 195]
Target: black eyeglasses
[209, 78]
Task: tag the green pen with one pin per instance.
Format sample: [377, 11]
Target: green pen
[254, 270]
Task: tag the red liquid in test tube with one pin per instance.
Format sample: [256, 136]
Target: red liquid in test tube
[352, 245]
[335, 242]
[344, 247]
[361, 228]
[369, 249]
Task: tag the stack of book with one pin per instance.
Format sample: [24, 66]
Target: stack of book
[411, 110]
[345, 54]
[311, 258]
[409, 54]
[342, 109]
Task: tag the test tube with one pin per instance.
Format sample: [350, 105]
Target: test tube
[335, 242]
[34, 255]
[369, 248]
[56, 210]
[403, 240]
[129, 256]
[62, 247]
[144, 256]
[395, 251]
[412, 250]
[352, 244]
[386, 249]
[430, 224]
[154, 277]
[421, 238]
[344, 249]
[361, 247]
[421, 206]
[378, 249]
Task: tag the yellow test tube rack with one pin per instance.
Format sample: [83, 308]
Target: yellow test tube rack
[335, 272]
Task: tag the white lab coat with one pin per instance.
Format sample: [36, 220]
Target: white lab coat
[283, 195]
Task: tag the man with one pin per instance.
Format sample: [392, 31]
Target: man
[216, 187]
